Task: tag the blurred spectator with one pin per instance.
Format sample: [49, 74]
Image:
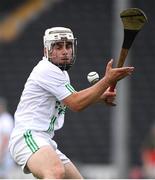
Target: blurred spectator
[6, 125]
[148, 155]
[136, 173]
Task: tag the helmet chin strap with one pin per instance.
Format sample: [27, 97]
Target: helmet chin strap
[64, 67]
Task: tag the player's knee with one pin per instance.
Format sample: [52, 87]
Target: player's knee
[60, 172]
[57, 173]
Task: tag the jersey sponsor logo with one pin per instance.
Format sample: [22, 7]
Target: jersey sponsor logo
[60, 109]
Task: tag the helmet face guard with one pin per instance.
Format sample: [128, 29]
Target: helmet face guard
[60, 34]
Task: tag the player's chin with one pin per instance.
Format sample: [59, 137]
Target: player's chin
[65, 61]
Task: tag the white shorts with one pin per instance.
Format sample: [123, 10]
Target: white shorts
[23, 145]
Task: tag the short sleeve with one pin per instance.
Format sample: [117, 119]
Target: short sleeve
[55, 81]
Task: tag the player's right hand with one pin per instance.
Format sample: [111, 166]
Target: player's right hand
[115, 74]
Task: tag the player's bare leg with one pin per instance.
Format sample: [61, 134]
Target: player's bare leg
[45, 164]
[71, 172]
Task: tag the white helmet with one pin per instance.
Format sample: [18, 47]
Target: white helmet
[56, 34]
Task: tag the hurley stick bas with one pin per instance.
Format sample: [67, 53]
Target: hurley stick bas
[133, 20]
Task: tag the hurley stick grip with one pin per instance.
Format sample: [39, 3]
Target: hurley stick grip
[122, 57]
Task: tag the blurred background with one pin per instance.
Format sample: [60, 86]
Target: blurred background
[104, 142]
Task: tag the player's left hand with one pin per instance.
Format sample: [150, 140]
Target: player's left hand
[109, 97]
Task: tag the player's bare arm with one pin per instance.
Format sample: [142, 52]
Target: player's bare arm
[82, 99]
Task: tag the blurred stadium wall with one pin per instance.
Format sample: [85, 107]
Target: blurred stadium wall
[87, 136]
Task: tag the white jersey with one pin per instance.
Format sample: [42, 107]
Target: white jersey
[40, 107]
